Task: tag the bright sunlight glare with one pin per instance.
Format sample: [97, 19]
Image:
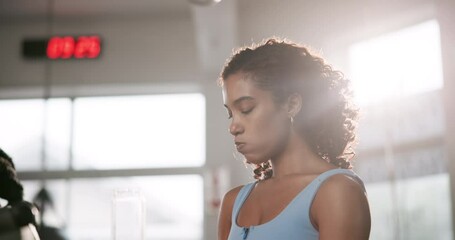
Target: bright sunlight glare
[397, 64]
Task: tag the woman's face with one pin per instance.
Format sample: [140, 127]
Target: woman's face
[259, 125]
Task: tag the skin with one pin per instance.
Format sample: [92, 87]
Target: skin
[340, 209]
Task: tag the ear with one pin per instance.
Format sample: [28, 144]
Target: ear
[294, 104]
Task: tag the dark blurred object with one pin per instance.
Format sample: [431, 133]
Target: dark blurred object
[18, 217]
[24, 213]
[43, 200]
[17, 222]
[11, 189]
[45, 204]
[34, 48]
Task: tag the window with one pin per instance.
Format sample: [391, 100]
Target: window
[397, 80]
[138, 132]
[167, 202]
[22, 127]
[95, 145]
[397, 64]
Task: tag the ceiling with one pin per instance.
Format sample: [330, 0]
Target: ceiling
[17, 9]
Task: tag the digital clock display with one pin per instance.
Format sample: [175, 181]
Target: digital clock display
[63, 47]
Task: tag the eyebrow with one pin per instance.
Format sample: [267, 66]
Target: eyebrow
[240, 99]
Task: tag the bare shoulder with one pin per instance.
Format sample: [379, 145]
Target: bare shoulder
[224, 220]
[341, 184]
[341, 191]
[232, 194]
[340, 209]
[229, 199]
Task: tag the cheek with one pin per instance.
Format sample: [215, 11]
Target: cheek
[271, 133]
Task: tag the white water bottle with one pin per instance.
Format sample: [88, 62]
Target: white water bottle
[128, 215]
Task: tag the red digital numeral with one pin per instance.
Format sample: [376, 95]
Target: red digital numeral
[87, 47]
[67, 47]
[54, 48]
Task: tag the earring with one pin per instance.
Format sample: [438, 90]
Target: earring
[292, 120]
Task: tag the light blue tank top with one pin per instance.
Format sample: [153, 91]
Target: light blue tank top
[293, 223]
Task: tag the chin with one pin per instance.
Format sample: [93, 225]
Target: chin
[254, 159]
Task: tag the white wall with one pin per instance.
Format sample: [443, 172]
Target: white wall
[144, 50]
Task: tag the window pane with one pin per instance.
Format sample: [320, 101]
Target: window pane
[407, 210]
[174, 206]
[403, 122]
[58, 129]
[139, 131]
[397, 64]
[21, 126]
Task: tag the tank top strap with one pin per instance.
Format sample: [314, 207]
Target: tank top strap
[241, 197]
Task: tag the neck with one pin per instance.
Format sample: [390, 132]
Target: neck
[298, 159]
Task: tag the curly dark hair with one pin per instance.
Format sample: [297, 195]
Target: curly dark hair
[11, 189]
[328, 117]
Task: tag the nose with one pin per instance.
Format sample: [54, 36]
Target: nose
[235, 128]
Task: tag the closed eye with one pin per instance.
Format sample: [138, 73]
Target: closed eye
[247, 111]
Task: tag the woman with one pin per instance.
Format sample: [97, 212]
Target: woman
[292, 119]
